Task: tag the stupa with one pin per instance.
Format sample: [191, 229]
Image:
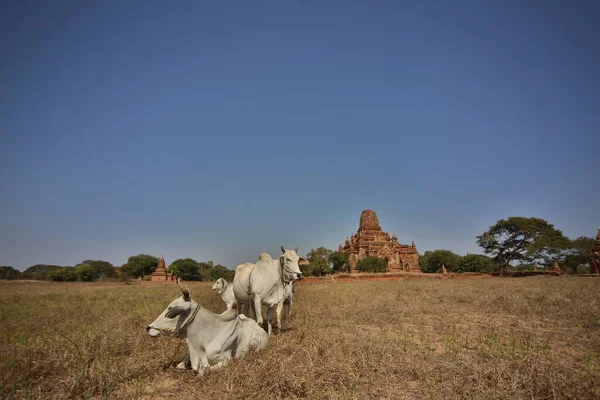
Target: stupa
[161, 274]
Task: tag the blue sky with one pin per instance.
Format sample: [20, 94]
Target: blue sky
[217, 130]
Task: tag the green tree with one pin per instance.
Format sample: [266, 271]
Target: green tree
[139, 266]
[186, 268]
[318, 259]
[10, 273]
[475, 263]
[205, 270]
[220, 271]
[575, 256]
[85, 272]
[372, 264]
[338, 262]
[57, 275]
[306, 269]
[432, 261]
[40, 271]
[102, 269]
[519, 240]
[64, 274]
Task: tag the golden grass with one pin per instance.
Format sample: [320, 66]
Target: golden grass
[411, 339]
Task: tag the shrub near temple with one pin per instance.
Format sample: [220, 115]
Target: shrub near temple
[432, 261]
[372, 264]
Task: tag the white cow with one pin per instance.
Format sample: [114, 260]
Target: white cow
[264, 283]
[288, 294]
[226, 292]
[210, 337]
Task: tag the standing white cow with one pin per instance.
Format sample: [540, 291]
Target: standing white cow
[210, 337]
[226, 292]
[264, 283]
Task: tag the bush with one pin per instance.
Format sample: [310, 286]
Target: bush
[432, 261]
[372, 264]
[85, 273]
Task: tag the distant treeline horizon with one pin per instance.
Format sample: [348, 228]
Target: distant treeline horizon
[513, 243]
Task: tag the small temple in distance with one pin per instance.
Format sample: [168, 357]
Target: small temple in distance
[161, 274]
[594, 255]
[371, 241]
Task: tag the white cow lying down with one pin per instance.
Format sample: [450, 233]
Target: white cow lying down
[210, 337]
[226, 292]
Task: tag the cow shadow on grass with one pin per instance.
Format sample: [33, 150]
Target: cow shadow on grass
[286, 329]
[277, 330]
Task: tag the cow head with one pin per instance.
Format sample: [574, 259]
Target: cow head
[289, 263]
[220, 285]
[175, 315]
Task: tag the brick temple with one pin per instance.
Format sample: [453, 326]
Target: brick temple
[371, 241]
[594, 255]
[161, 274]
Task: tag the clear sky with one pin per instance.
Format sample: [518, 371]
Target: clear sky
[217, 130]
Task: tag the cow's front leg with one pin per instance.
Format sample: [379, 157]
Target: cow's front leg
[199, 360]
[257, 310]
[287, 309]
[226, 358]
[278, 314]
[270, 318]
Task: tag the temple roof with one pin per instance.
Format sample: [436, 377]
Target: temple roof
[368, 220]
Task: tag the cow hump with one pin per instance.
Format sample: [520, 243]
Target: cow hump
[264, 257]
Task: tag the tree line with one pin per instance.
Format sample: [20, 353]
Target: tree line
[512, 243]
[137, 266]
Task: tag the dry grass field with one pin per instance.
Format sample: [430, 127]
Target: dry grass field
[529, 338]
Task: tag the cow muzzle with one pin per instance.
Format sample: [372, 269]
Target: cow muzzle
[152, 332]
[299, 276]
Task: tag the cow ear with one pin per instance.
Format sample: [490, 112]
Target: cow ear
[173, 312]
[302, 261]
[177, 310]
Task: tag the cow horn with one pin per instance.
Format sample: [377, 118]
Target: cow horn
[296, 249]
[282, 249]
[184, 289]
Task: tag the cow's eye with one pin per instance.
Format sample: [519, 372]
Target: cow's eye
[288, 260]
